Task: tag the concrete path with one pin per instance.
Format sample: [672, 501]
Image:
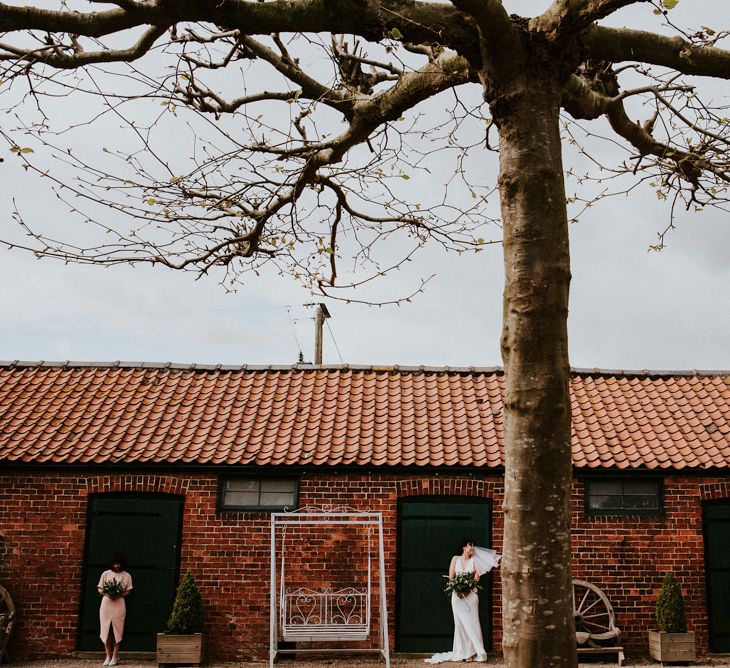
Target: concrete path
[344, 662]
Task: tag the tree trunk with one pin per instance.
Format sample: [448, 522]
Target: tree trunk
[537, 601]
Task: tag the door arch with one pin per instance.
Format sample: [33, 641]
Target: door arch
[146, 528]
[430, 529]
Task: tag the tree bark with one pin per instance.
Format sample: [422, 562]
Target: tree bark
[536, 579]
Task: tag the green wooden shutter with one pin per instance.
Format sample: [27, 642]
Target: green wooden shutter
[430, 530]
[717, 564]
[146, 529]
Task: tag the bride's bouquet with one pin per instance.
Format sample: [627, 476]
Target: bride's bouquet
[461, 584]
[113, 588]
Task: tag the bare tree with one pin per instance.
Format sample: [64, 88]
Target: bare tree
[317, 159]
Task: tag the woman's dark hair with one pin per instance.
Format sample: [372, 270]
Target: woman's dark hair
[118, 558]
[463, 544]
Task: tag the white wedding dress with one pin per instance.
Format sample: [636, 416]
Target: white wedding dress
[468, 641]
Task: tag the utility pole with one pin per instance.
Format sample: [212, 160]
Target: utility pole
[320, 315]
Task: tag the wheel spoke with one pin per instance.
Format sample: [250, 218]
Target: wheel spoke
[597, 614]
[598, 600]
[585, 596]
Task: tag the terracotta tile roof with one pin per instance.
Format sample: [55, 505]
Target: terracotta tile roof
[327, 416]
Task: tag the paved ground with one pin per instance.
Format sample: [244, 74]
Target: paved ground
[345, 662]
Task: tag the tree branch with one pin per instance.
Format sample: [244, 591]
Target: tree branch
[419, 22]
[500, 44]
[566, 16]
[583, 101]
[56, 55]
[619, 45]
[92, 24]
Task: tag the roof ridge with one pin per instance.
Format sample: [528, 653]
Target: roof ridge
[649, 372]
[378, 368]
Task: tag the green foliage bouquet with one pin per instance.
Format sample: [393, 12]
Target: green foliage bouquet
[461, 584]
[113, 588]
[670, 607]
[187, 611]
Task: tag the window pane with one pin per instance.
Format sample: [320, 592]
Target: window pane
[277, 499]
[605, 502]
[274, 485]
[241, 499]
[640, 502]
[603, 487]
[641, 488]
[242, 485]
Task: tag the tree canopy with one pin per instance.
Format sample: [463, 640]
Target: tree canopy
[291, 133]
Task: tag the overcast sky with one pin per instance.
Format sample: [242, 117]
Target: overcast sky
[630, 308]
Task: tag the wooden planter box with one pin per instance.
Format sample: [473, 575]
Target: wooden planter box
[187, 649]
[668, 647]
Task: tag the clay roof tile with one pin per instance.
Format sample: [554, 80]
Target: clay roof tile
[280, 416]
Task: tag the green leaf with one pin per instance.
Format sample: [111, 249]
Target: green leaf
[151, 201]
[670, 4]
[395, 33]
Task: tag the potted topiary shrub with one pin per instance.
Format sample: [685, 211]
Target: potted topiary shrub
[182, 641]
[672, 642]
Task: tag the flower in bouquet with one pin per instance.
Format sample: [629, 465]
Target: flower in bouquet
[113, 588]
[461, 584]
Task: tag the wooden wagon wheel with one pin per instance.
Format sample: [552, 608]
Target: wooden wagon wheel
[594, 618]
[7, 621]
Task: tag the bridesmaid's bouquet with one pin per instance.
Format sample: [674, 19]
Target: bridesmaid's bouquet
[461, 584]
[113, 588]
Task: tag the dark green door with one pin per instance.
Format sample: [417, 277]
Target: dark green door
[146, 529]
[430, 531]
[717, 564]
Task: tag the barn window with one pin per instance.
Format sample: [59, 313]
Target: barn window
[259, 493]
[624, 497]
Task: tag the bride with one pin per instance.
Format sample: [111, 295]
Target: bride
[468, 641]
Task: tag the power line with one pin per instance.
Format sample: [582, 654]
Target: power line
[337, 348]
[294, 331]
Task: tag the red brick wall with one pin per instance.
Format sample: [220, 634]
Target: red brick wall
[43, 520]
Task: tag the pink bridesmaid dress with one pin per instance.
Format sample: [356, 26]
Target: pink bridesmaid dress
[113, 611]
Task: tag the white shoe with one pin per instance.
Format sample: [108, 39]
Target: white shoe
[481, 659]
[114, 662]
[106, 661]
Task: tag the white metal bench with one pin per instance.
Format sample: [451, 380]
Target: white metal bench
[325, 615]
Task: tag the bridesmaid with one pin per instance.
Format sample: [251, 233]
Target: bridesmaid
[113, 610]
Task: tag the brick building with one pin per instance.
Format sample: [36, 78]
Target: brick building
[180, 468]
